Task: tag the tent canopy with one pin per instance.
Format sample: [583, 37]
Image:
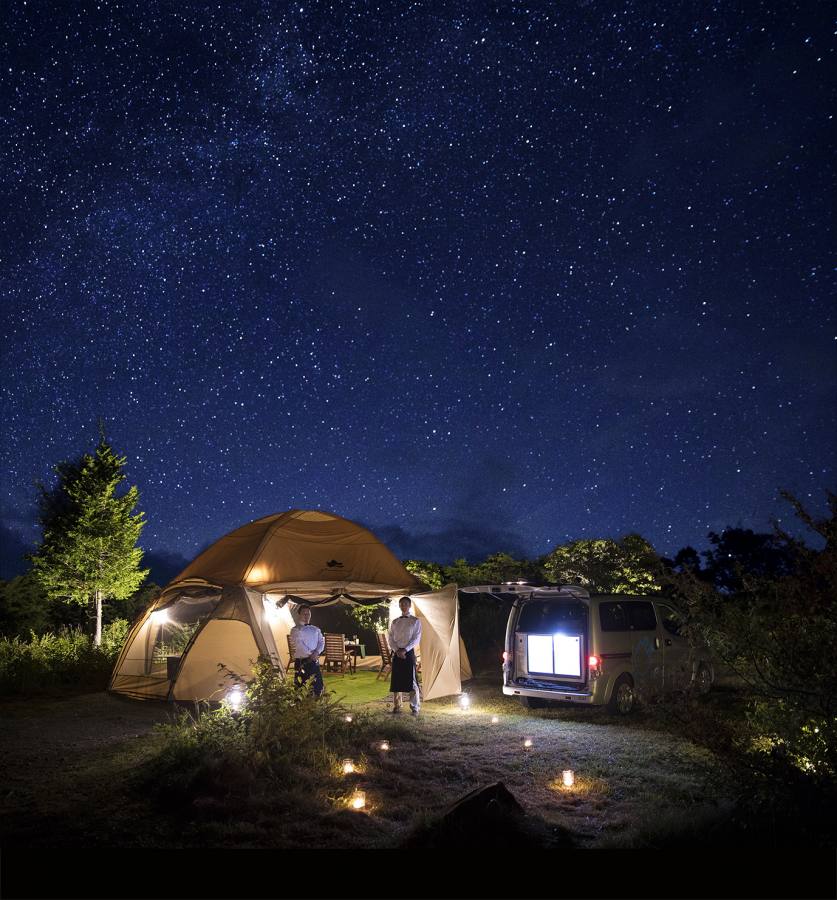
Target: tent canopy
[306, 553]
[237, 601]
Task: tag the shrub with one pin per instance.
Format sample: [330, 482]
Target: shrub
[778, 634]
[51, 660]
[281, 734]
[113, 638]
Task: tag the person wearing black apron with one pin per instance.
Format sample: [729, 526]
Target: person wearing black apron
[403, 638]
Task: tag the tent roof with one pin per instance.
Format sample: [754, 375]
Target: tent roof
[307, 553]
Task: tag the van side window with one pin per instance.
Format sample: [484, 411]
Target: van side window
[613, 617]
[672, 622]
[641, 616]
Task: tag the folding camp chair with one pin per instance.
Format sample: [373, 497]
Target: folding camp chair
[294, 662]
[336, 657]
[386, 655]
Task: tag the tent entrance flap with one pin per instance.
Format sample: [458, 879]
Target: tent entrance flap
[443, 661]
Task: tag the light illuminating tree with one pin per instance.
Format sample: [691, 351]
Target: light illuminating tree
[627, 566]
[88, 551]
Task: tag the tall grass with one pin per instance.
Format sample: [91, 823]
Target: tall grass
[59, 659]
[281, 736]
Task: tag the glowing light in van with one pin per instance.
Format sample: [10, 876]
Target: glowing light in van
[567, 654]
[556, 654]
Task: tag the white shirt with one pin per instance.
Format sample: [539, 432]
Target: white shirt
[306, 640]
[404, 633]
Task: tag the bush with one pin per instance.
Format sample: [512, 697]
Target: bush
[778, 634]
[59, 659]
[113, 638]
[50, 660]
[281, 735]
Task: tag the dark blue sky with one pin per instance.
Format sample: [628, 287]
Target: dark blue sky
[480, 276]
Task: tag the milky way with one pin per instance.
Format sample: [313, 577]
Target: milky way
[480, 276]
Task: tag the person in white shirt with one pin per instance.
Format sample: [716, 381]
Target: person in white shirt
[403, 638]
[308, 643]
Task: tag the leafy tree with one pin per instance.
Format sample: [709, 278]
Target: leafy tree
[463, 574]
[628, 566]
[777, 630]
[373, 616]
[88, 552]
[430, 573]
[24, 607]
[738, 553]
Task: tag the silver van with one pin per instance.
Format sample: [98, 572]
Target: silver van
[565, 644]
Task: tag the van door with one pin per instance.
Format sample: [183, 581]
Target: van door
[677, 658]
[630, 625]
[647, 655]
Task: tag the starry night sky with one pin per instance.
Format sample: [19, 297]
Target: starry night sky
[481, 276]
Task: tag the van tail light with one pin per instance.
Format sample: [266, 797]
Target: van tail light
[594, 665]
[593, 662]
[508, 656]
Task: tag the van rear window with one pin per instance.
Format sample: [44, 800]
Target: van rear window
[550, 616]
[632, 615]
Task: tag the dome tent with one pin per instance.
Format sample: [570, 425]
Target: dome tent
[236, 602]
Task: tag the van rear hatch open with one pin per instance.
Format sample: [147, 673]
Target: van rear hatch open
[550, 641]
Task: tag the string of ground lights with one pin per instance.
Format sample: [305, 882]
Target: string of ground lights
[491, 277]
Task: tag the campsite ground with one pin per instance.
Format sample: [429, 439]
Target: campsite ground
[71, 777]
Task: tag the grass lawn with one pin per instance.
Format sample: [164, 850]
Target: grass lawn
[360, 688]
[73, 765]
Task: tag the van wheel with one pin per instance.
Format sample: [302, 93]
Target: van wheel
[623, 698]
[532, 702]
[703, 679]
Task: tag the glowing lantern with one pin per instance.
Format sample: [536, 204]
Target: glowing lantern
[568, 777]
[348, 767]
[465, 701]
[358, 800]
[495, 720]
[527, 744]
[384, 745]
[348, 718]
[235, 698]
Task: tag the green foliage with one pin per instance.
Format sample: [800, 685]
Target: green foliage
[373, 617]
[429, 572]
[50, 661]
[24, 607]
[604, 566]
[281, 733]
[494, 569]
[88, 552]
[778, 633]
[113, 638]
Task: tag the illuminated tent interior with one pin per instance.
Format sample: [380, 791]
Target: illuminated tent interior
[237, 601]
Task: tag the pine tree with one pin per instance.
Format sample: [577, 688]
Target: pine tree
[88, 553]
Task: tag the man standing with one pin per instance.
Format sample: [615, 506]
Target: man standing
[308, 643]
[403, 638]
